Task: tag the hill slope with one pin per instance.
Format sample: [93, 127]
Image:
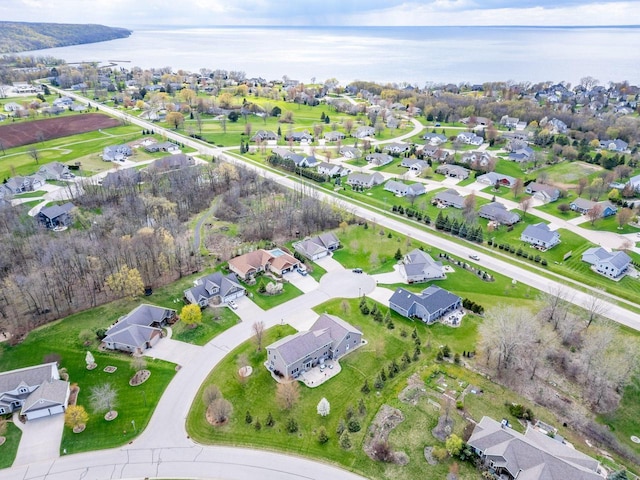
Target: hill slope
[22, 36]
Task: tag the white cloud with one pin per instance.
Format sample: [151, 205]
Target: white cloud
[327, 12]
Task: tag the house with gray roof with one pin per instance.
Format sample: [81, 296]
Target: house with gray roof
[363, 132]
[469, 138]
[118, 153]
[379, 158]
[449, 198]
[17, 185]
[35, 392]
[56, 215]
[545, 193]
[264, 136]
[402, 189]
[522, 154]
[497, 212]
[334, 136]
[317, 247]
[430, 305]
[397, 147]
[609, 264]
[302, 137]
[499, 179]
[453, 171]
[329, 338]
[414, 164]
[125, 177]
[540, 235]
[418, 266]
[138, 330]
[365, 180]
[531, 456]
[172, 162]
[331, 169]
[215, 289]
[434, 139]
[55, 171]
[350, 152]
[584, 206]
[169, 147]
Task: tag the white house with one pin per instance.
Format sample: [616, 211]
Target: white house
[609, 264]
[540, 235]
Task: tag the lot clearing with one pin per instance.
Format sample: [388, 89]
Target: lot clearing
[25, 133]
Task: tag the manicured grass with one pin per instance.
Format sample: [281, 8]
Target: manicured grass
[9, 449]
[215, 320]
[61, 338]
[507, 167]
[552, 209]
[66, 149]
[610, 224]
[36, 194]
[570, 172]
[265, 301]
[316, 271]
[341, 391]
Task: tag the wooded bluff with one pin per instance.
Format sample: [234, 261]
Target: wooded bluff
[22, 36]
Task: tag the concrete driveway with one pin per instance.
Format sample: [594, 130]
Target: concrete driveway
[247, 310]
[173, 351]
[329, 264]
[40, 439]
[304, 283]
[390, 277]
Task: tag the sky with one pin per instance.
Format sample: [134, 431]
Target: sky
[138, 13]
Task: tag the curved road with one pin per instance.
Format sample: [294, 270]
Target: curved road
[164, 449]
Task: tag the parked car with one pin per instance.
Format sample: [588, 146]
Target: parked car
[232, 305]
[357, 270]
[301, 272]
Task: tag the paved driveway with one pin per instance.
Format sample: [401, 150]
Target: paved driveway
[304, 283]
[40, 439]
[247, 310]
[173, 351]
[390, 277]
[346, 284]
[329, 264]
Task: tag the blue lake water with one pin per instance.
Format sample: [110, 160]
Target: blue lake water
[416, 55]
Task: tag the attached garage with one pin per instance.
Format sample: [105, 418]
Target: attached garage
[50, 398]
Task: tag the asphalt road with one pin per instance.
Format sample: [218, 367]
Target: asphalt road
[519, 273]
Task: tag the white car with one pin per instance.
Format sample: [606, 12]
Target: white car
[474, 257]
[232, 305]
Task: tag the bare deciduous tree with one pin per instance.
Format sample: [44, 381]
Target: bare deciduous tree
[288, 394]
[594, 213]
[258, 333]
[103, 397]
[211, 393]
[595, 307]
[220, 410]
[525, 205]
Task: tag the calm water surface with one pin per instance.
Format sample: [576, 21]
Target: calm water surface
[416, 55]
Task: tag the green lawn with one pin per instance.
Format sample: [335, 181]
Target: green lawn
[609, 224]
[132, 403]
[625, 421]
[507, 167]
[384, 345]
[66, 150]
[552, 209]
[215, 320]
[9, 449]
[570, 172]
[265, 301]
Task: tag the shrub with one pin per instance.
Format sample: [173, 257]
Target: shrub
[382, 452]
[345, 441]
[248, 418]
[323, 437]
[340, 428]
[353, 425]
[439, 453]
[365, 388]
[270, 421]
[292, 425]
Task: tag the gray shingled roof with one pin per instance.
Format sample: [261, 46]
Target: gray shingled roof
[55, 211]
[49, 394]
[529, 456]
[539, 231]
[432, 299]
[326, 329]
[29, 376]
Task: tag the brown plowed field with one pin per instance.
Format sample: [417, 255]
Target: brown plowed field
[24, 133]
